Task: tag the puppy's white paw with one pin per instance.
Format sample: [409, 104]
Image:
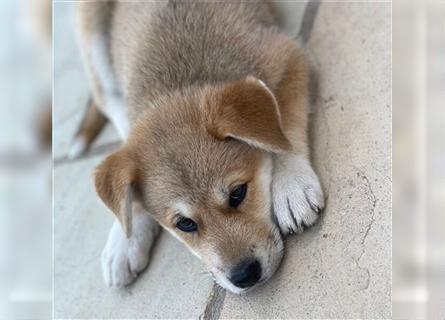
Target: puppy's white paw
[124, 258]
[297, 195]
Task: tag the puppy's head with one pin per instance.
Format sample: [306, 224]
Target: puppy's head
[200, 162]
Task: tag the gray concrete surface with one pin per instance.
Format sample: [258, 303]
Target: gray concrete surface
[338, 269]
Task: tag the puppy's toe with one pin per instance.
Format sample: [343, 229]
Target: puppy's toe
[121, 266]
[315, 198]
[297, 198]
[137, 259]
[301, 213]
[123, 259]
[122, 273]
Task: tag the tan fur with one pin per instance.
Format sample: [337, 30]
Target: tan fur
[293, 99]
[245, 110]
[202, 122]
[113, 179]
[92, 20]
[45, 128]
[91, 125]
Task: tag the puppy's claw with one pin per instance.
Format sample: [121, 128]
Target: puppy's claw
[314, 197]
[316, 209]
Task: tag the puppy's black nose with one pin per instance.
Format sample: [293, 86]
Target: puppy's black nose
[246, 274]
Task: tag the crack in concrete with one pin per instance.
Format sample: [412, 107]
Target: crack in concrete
[214, 303]
[327, 148]
[374, 202]
[368, 229]
[310, 13]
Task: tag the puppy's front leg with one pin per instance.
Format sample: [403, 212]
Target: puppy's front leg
[297, 194]
[124, 258]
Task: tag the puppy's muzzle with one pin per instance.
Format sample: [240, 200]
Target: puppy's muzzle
[246, 274]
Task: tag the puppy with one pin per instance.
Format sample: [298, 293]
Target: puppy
[212, 103]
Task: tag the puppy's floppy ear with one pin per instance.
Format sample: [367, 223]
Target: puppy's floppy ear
[247, 110]
[114, 179]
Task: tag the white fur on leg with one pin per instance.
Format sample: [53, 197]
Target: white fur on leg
[296, 192]
[124, 258]
[115, 109]
[78, 147]
[114, 105]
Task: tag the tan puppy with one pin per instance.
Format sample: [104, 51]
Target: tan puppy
[212, 101]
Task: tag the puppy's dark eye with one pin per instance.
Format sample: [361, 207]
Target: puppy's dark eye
[237, 195]
[186, 225]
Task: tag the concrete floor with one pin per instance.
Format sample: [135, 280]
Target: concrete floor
[341, 268]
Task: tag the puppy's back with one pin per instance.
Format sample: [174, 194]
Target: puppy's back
[159, 47]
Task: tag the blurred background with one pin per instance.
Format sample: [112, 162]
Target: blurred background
[25, 160]
[418, 160]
